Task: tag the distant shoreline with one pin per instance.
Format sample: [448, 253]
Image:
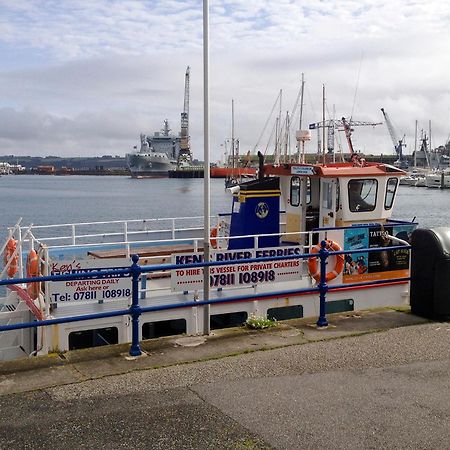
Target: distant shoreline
[88, 172]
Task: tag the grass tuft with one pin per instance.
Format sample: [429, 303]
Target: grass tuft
[260, 323]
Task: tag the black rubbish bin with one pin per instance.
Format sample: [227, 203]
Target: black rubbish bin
[430, 273]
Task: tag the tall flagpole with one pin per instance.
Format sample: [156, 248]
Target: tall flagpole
[206, 173]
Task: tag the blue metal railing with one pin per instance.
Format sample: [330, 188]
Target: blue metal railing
[135, 271]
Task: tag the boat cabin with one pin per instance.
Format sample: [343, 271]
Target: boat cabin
[313, 196]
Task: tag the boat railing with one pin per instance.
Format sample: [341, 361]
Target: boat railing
[46, 252]
[128, 228]
[196, 242]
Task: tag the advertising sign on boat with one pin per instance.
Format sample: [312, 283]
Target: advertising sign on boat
[91, 289]
[379, 265]
[238, 274]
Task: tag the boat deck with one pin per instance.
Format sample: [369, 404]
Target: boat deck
[145, 252]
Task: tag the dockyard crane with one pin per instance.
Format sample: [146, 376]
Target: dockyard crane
[398, 143]
[346, 125]
[348, 135]
[185, 155]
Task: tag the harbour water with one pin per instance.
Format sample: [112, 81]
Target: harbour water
[66, 199]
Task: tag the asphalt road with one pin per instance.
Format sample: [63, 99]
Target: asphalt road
[389, 389]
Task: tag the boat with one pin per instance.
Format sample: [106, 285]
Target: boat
[414, 178]
[157, 155]
[420, 182]
[232, 172]
[417, 177]
[284, 213]
[438, 179]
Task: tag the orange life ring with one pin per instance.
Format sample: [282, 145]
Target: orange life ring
[33, 271]
[314, 267]
[8, 255]
[213, 235]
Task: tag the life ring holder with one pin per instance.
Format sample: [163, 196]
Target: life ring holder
[33, 288]
[10, 255]
[314, 266]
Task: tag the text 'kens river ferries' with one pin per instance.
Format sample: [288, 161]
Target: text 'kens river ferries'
[287, 211]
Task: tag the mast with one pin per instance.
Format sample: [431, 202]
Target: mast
[301, 154]
[278, 132]
[302, 135]
[323, 121]
[301, 102]
[277, 152]
[429, 138]
[279, 116]
[206, 168]
[233, 146]
[286, 136]
[415, 147]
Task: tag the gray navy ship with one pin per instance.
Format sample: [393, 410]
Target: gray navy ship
[158, 154]
[163, 151]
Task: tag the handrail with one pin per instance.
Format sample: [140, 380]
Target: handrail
[160, 241]
[135, 310]
[60, 225]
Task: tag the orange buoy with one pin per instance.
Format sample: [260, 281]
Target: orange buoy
[11, 256]
[213, 236]
[314, 268]
[33, 271]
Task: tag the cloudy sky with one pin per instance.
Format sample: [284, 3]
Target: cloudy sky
[85, 77]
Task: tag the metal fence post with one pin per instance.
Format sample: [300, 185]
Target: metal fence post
[323, 287]
[135, 309]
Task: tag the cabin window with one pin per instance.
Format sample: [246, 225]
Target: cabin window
[327, 195]
[308, 191]
[228, 320]
[171, 327]
[295, 191]
[362, 194]
[93, 338]
[391, 188]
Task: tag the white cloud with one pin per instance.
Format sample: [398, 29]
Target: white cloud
[89, 76]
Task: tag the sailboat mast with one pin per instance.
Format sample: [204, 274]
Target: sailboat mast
[302, 143]
[429, 134]
[233, 150]
[301, 102]
[415, 147]
[286, 136]
[323, 123]
[277, 152]
[278, 134]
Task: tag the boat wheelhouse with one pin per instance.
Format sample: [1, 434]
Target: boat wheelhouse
[258, 248]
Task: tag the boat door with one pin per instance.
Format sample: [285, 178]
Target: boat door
[328, 199]
[295, 208]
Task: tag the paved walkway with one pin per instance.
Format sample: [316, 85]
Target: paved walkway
[371, 380]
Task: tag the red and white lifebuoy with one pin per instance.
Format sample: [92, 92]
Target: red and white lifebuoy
[314, 266]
